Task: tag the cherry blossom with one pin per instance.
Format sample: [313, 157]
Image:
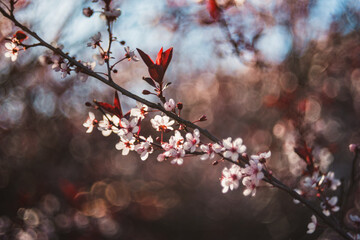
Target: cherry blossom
[129, 128]
[130, 54]
[95, 40]
[254, 170]
[140, 111]
[176, 141]
[11, 51]
[331, 181]
[233, 149]
[312, 225]
[208, 150]
[125, 144]
[312, 181]
[145, 148]
[192, 140]
[169, 105]
[178, 156]
[250, 184]
[329, 206]
[264, 155]
[162, 123]
[105, 126]
[90, 122]
[355, 219]
[230, 178]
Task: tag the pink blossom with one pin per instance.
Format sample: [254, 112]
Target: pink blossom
[233, 149]
[145, 148]
[192, 140]
[230, 178]
[129, 128]
[169, 105]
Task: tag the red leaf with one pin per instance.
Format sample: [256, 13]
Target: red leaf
[147, 60]
[107, 107]
[117, 105]
[166, 58]
[213, 9]
[159, 56]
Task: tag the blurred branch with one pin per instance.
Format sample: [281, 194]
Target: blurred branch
[269, 178]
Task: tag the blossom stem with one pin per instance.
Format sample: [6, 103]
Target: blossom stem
[111, 68]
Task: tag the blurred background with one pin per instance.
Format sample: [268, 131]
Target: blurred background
[274, 72]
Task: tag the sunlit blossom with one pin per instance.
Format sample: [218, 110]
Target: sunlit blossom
[233, 149]
[125, 145]
[11, 51]
[162, 123]
[90, 122]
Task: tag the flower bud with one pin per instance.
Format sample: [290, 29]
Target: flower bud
[179, 105]
[88, 104]
[202, 118]
[88, 12]
[353, 147]
[146, 92]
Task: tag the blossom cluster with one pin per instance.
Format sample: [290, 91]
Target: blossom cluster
[250, 175]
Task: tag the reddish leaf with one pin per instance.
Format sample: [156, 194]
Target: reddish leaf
[166, 58]
[117, 105]
[213, 9]
[147, 60]
[159, 57]
[107, 107]
[150, 81]
[157, 69]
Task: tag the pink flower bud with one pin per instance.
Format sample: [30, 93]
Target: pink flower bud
[88, 12]
[352, 147]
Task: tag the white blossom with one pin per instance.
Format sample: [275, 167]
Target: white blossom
[125, 144]
[130, 54]
[162, 123]
[90, 122]
[230, 178]
[145, 148]
[95, 40]
[105, 126]
[129, 128]
[331, 181]
[11, 51]
[192, 140]
[329, 206]
[233, 149]
[312, 225]
[140, 111]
